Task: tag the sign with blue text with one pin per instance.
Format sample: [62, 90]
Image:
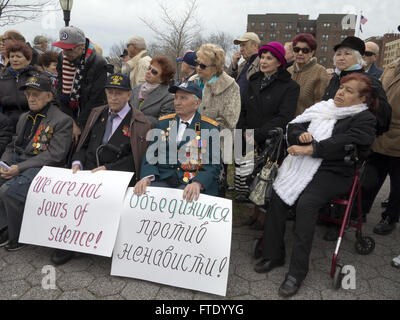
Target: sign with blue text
[164, 239]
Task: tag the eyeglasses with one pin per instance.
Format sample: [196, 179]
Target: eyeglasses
[369, 54]
[154, 72]
[304, 50]
[202, 65]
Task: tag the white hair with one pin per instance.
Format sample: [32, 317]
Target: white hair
[138, 42]
[355, 53]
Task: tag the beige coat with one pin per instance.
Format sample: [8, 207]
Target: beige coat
[313, 81]
[254, 67]
[221, 101]
[138, 67]
[389, 142]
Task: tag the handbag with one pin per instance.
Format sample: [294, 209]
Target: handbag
[266, 170]
[261, 187]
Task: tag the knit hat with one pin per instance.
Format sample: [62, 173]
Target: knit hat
[276, 49]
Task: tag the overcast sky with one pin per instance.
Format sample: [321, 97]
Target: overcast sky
[111, 21]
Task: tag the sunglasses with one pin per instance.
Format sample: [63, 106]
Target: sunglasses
[304, 50]
[202, 65]
[369, 54]
[154, 72]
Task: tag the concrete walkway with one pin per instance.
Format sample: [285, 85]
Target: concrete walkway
[89, 277]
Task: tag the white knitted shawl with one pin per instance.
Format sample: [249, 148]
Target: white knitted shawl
[297, 172]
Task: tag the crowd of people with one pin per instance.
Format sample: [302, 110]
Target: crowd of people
[68, 109]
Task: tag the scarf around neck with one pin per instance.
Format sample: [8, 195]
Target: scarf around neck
[352, 68]
[297, 172]
[146, 89]
[77, 84]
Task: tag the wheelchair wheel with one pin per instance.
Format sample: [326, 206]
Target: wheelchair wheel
[365, 245]
[337, 278]
[257, 248]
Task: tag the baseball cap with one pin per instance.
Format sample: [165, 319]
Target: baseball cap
[189, 57]
[38, 82]
[70, 37]
[118, 81]
[124, 54]
[247, 37]
[190, 87]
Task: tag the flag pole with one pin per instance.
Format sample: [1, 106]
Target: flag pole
[358, 25]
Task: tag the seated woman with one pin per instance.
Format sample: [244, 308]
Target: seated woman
[314, 172]
[152, 97]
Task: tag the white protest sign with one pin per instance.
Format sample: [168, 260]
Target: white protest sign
[164, 239]
[77, 212]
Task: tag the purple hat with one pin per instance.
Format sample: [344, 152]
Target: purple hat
[276, 49]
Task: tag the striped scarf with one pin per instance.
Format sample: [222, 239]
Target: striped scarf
[72, 77]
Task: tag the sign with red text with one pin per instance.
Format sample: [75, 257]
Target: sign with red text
[164, 239]
[77, 212]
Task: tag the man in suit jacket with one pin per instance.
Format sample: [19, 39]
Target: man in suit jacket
[115, 135]
[191, 170]
[114, 139]
[43, 138]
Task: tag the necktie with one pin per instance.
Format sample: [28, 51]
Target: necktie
[185, 123]
[109, 125]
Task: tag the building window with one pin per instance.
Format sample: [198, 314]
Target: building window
[261, 35]
[253, 24]
[325, 37]
[305, 29]
[262, 24]
[288, 36]
[273, 24]
[327, 25]
[272, 35]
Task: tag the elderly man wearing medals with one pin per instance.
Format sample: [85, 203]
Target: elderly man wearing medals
[188, 170]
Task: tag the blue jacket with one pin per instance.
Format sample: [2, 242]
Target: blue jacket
[165, 166]
[375, 71]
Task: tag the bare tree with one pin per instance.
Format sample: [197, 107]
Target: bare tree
[16, 11]
[178, 31]
[223, 39]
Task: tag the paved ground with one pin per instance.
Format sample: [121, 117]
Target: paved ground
[88, 277]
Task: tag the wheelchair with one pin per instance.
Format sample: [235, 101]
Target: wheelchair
[364, 245]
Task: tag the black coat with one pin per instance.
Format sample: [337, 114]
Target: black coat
[110, 159]
[92, 88]
[273, 106]
[12, 100]
[6, 132]
[384, 113]
[358, 129]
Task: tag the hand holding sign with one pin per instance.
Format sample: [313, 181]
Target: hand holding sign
[77, 212]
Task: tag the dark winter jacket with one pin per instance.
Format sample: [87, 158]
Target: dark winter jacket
[92, 88]
[273, 106]
[384, 114]
[12, 100]
[358, 129]
[6, 132]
